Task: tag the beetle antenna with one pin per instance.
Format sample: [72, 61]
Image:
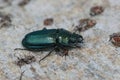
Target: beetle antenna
[47, 55]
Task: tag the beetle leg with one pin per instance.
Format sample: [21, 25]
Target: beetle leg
[63, 52]
[60, 53]
[21, 75]
[47, 55]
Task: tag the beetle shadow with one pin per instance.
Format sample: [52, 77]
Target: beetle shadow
[61, 51]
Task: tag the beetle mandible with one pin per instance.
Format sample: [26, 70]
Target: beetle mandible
[54, 39]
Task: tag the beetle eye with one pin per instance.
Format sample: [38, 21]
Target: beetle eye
[80, 39]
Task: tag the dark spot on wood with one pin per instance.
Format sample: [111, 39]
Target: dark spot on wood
[96, 10]
[5, 20]
[85, 24]
[25, 60]
[48, 21]
[24, 2]
[115, 39]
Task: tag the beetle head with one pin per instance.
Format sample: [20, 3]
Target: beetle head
[76, 40]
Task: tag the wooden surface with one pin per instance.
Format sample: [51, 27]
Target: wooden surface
[98, 59]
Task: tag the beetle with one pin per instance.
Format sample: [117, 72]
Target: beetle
[53, 39]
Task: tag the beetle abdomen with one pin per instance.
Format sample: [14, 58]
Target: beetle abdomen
[40, 39]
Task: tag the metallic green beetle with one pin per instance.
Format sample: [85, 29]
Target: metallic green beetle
[54, 39]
